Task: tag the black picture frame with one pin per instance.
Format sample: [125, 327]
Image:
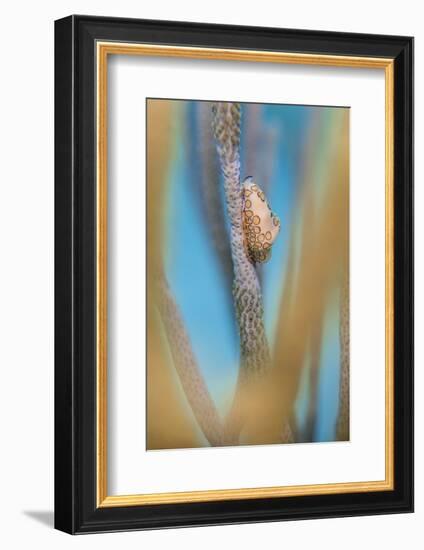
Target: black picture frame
[76, 510]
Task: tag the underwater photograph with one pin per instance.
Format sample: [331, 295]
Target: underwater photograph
[247, 209]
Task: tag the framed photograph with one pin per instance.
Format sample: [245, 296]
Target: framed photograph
[234, 274]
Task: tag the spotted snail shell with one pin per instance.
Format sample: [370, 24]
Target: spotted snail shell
[261, 226]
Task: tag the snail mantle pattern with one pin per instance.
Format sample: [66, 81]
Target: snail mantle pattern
[260, 225]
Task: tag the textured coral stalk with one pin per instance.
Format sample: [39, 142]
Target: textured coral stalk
[254, 350]
[247, 295]
[210, 195]
[312, 412]
[191, 378]
[343, 416]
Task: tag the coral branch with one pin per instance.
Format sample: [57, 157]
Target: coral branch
[343, 417]
[311, 417]
[210, 193]
[161, 116]
[247, 296]
[246, 289]
[191, 378]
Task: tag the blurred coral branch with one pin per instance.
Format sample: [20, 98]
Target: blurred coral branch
[343, 416]
[164, 410]
[210, 195]
[191, 378]
[307, 287]
[311, 415]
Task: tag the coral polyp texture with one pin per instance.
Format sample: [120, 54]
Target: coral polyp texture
[247, 277]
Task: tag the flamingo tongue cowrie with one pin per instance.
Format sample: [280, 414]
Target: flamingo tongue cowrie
[261, 226]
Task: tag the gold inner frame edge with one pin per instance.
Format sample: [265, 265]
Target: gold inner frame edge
[103, 49]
